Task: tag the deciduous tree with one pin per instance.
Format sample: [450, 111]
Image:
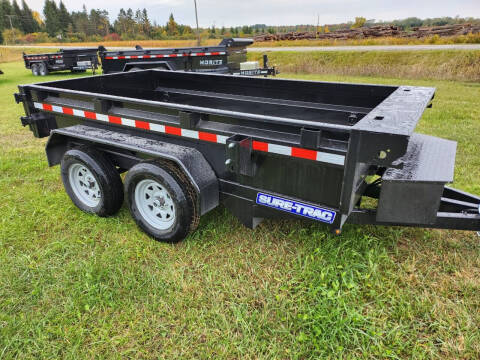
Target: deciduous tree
[359, 22]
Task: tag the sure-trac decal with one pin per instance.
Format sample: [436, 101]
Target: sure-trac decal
[294, 207]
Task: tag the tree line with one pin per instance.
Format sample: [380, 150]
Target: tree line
[57, 23]
[12, 16]
[19, 23]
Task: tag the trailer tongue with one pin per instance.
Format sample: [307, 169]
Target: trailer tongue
[265, 148]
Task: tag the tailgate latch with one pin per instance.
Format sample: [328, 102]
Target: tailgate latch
[19, 97]
[26, 120]
[239, 155]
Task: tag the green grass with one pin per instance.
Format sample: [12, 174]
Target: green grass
[386, 40]
[76, 286]
[461, 65]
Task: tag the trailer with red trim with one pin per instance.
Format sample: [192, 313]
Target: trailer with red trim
[262, 147]
[74, 59]
[228, 57]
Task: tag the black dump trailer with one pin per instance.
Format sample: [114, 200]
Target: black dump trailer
[229, 57]
[75, 60]
[263, 147]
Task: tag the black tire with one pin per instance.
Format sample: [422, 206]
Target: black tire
[182, 197]
[106, 178]
[42, 69]
[34, 68]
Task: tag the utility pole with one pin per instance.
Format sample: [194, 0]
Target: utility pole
[196, 17]
[11, 26]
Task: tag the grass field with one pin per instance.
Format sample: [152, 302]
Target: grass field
[461, 65]
[76, 286]
[434, 40]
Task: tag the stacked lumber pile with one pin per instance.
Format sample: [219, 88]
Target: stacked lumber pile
[360, 33]
[446, 30]
[373, 32]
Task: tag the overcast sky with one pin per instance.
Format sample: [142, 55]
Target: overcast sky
[279, 12]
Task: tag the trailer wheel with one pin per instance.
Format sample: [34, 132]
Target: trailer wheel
[92, 181]
[43, 69]
[161, 201]
[34, 68]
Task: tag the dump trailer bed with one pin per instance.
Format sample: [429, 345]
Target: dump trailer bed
[265, 148]
[78, 60]
[228, 57]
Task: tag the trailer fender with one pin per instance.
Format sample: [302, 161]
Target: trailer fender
[130, 150]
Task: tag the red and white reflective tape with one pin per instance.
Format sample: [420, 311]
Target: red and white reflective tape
[44, 57]
[37, 58]
[194, 134]
[121, 57]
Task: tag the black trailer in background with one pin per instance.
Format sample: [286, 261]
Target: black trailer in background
[228, 57]
[75, 60]
[265, 148]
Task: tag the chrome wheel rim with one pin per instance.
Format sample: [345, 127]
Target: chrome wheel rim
[155, 204]
[84, 184]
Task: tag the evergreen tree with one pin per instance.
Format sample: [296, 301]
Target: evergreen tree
[171, 26]
[80, 21]
[130, 23]
[125, 23]
[64, 18]
[17, 16]
[5, 9]
[147, 26]
[138, 21]
[120, 23]
[52, 19]
[98, 22]
[29, 24]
